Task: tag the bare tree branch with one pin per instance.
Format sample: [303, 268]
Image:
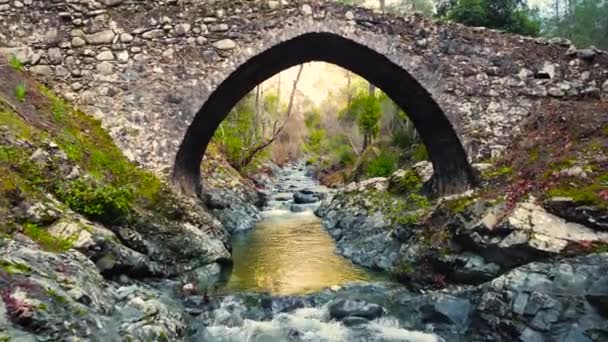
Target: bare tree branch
[275, 132]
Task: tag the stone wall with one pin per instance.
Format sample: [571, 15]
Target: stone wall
[145, 67]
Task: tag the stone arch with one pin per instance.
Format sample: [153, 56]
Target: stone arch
[452, 170]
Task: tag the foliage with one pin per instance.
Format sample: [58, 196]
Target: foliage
[15, 63]
[20, 92]
[509, 15]
[419, 153]
[366, 109]
[410, 6]
[408, 182]
[382, 165]
[104, 203]
[584, 22]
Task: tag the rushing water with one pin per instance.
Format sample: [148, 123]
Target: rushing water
[290, 252]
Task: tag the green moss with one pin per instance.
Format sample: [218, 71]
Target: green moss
[498, 172]
[605, 130]
[410, 182]
[459, 205]
[47, 241]
[58, 110]
[586, 195]
[561, 164]
[57, 297]
[15, 124]
[14, 267]
[104, 203]
[408, 219]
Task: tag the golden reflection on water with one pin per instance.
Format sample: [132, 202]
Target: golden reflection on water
[289, 254]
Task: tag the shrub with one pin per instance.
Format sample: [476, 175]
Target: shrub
[382, 166]
[346, 156]
[420, 153]
[410, 182]
[107, 204]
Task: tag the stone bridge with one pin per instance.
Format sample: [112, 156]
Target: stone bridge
[162, 74]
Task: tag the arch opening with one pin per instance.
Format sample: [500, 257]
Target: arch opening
[452, 172]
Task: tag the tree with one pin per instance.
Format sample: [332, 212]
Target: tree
[509, 15]
[425, 7]
[276, 131]
[584, 22]
[366, 109]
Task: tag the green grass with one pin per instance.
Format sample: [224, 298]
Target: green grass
[15, 63]
[20, 92]
[47, 241]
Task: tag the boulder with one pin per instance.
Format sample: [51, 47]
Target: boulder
[343, 308]
[588, 215]
[302, 198]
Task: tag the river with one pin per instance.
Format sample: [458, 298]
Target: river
[290, 252]
[288, 283]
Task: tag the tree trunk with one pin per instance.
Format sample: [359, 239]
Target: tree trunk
[382, 5]
[372, 89]
[275, 132]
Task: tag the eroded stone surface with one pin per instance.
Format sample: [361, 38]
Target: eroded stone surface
[485, 81]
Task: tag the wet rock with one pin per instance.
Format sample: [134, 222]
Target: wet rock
[343, 308]
[302, 198]
[446, 309]
[469, 268]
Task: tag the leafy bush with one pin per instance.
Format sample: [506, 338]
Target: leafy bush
[346, 156]
[382, 166]
[403, 139]
[107, 204]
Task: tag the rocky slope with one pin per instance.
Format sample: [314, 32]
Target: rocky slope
[81, 228]
[520, 242]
